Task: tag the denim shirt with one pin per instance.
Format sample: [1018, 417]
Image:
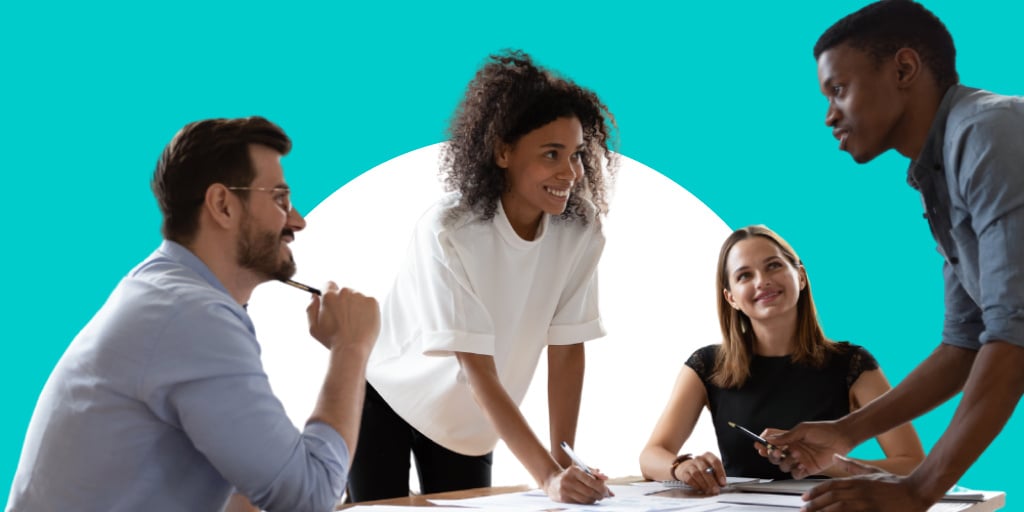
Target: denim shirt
[971, 177]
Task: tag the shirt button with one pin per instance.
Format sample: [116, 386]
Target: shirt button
[954, 260]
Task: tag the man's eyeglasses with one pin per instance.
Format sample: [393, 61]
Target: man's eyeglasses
[280, 195]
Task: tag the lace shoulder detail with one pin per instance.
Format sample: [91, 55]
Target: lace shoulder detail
[860, 361]
[703, 361]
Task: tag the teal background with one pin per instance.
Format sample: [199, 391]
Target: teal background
[721, 97]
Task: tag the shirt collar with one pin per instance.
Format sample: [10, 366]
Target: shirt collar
[504, 226]
[182, 255]
[930, 158]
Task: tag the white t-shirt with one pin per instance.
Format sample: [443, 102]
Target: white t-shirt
[473, 285]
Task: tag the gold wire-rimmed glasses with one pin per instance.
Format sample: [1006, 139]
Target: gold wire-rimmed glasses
[281, 195]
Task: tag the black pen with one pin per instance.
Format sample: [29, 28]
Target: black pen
[757, 438]
[301, 286]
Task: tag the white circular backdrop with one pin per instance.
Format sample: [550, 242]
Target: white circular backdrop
[657, 302]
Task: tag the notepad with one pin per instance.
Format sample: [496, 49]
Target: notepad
[957, 493]
[729, 480]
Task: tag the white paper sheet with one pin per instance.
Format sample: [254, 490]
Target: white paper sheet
[774, 500]
[536, 500]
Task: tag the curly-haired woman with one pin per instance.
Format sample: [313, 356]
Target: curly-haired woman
[504, 265]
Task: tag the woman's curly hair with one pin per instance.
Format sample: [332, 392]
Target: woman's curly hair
[509, 97]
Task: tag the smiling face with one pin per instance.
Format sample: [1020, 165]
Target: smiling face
[541, 168]
[762, 282]
[270, 223]
[865, 104]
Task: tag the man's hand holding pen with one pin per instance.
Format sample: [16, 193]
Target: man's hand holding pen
[807, 449]
[343, 318]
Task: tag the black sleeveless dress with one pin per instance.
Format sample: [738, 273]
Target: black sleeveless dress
[779, 394]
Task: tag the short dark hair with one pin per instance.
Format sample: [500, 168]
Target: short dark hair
[201, 154]
[882, 28]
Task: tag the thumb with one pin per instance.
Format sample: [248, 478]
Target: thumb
[783, 437]
[854, 467]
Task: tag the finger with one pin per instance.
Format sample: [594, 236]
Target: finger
[825, 500]
[597, 485]
[854, 467]
[715, 470]
[788, 464]
[602, 478]
[779, 458]
[719, 472]
[704, 473]
[784, 437]
[781, 452]
[828, 487]
[762, 450]
[794, 456]
[331, 287]
[581, 487]
[688, 478]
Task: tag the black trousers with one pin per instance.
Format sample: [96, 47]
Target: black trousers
[380, 469]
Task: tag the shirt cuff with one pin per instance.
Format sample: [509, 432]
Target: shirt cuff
[1004, 324]
[329, 439]
[445, 343]
[572, 334]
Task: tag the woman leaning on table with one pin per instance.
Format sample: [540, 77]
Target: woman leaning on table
[501, 269]
[774, 368]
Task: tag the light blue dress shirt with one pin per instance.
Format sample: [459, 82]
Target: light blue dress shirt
[161, 404]
[971, 177]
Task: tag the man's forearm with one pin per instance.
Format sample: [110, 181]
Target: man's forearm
[340, 403]
[990, 396]
[937, 379]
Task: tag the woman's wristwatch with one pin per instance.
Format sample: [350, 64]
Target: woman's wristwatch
[679, 460]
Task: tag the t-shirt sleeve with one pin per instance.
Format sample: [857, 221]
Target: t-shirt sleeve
[578, 317]
[205, 377]
[448, 313]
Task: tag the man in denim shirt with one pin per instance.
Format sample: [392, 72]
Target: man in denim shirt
[161, 402]
[889, 74]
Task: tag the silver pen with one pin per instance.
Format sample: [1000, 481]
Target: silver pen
[576, 460]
